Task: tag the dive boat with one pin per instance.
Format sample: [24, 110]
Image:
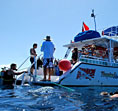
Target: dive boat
[100, 69]
[95, 70]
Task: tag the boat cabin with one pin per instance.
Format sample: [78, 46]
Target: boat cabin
[101, 51]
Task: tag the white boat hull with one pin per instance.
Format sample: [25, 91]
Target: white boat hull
[84, 74]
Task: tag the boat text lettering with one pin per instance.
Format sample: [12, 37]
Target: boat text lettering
[109, 75]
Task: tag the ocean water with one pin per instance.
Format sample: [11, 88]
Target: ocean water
[37, 98]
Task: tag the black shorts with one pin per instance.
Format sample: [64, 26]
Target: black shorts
[31, 60]
[39, 62]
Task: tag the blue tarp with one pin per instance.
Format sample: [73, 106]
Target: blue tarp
[112, 31]
[90, 34]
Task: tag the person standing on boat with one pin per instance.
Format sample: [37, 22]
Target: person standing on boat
[74, 55]
[33, 56]
[48, 49]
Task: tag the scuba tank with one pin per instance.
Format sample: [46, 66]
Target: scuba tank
[1, 76]
[5, 79]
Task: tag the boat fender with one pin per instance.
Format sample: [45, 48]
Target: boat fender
[64, 65]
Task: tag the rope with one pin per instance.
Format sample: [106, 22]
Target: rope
[70, 89]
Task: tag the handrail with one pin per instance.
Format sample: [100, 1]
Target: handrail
[23, 62]
[67, 53]
[20, 67]
[24, 68]
[36, 59]
[35, 65]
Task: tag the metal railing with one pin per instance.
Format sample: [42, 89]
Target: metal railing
[98, 61]
[29, 73]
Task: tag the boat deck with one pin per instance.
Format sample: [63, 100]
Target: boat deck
[44, 83]
[38, 81]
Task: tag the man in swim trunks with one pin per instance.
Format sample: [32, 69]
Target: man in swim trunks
[48, 51]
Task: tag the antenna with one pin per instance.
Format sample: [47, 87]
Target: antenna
[93, 15]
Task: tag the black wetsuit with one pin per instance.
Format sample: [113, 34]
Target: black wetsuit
[8, 78]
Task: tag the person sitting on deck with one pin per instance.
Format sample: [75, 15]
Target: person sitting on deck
[84, 51]
[9, 75]
[93, 49]
[89, 51]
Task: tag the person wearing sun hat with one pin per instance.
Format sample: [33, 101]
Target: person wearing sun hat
[48, 49]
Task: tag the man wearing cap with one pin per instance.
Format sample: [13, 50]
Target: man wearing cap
[48, 49]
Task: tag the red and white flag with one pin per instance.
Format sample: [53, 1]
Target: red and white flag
[84, 27]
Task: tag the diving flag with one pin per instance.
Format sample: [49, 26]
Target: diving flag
[84, 27]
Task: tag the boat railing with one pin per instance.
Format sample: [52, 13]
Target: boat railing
[32, 76]
[97, 60]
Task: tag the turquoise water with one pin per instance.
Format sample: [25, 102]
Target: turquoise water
[37, 98]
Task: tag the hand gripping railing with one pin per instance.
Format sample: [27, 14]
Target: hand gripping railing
[29, 73]
[20, 67]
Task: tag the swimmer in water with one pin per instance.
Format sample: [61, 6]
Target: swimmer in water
[111, 94]
[114, 96]
[104, 94]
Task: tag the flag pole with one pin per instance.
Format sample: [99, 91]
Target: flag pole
[93, 15]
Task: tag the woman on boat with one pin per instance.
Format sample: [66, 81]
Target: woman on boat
[33, 56]
[74, 55]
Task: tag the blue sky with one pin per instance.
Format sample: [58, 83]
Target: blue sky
[23, 22]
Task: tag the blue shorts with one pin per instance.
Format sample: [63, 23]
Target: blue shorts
[48, 62]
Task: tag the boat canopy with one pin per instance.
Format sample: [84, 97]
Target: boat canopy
[102, 41]
[90, 34]
[111, 31]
